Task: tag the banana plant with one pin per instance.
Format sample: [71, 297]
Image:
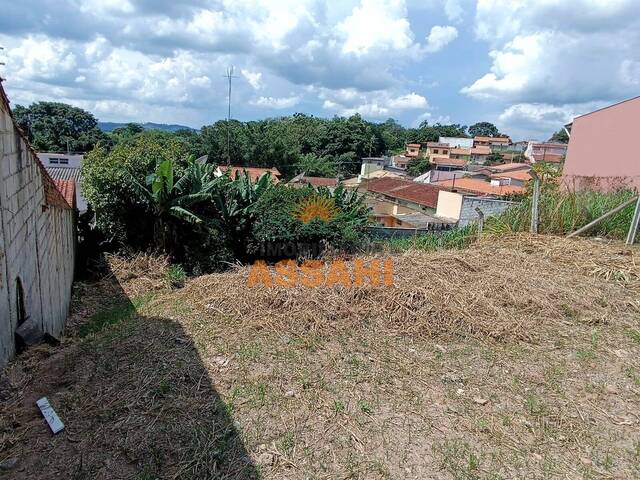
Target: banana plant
[175, 200]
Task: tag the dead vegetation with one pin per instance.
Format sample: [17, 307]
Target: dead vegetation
[515, 358]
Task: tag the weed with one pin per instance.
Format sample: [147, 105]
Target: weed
[365, 407]
[458, 459]
[338, 407]
[634, 335]
[175, 276]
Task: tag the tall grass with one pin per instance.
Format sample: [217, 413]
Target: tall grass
[457, 238]
[563, 212]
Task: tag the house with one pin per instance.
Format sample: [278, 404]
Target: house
[448, 164]
[437, 175]
[414, 195]
[400, 161]
[461, 153]
[37, 241]
[303, 180]
[462, 208]
[600, 155]
[479, 154]
[491, 141]
[516, 178]
[362, 180]
[66, 166]
[437, 149]
[413, 150]
[457, 142]
[254, 172]
[508, 167]
[479, 187]
[546, 152]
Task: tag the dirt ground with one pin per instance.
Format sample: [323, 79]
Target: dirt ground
[514, 358]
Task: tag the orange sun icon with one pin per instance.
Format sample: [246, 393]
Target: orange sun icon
[322, 208]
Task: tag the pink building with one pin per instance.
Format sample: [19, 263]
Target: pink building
[602, 153]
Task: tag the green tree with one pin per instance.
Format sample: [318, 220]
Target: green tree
[171, 201]
[314, 166]
[494, 159]
[58, 127]
[560, 136]
[483, 129]
[418, 166]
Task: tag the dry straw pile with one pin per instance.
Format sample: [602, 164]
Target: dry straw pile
[138, 274]
[500, 288]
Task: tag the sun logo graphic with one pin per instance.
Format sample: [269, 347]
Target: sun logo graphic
[315, 207]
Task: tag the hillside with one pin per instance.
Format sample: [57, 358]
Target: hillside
[515, 358]
[167, 127]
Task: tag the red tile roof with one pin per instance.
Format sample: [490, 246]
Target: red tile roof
[458, 162]
[438, 145]
[479, 187]
[522, 175]
[480, 150]
[420, 193]
[254, 172]
[319, 181]
[68, 190]
[491, 139]
[506, 167]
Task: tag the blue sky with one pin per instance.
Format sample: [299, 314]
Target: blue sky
[527, 66]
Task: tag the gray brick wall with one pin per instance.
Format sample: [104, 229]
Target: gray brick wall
[490, 207]
[37, 245]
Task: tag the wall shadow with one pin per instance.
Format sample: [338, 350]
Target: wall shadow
[136, 399]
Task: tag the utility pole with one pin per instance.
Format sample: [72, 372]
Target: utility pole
[229, 75]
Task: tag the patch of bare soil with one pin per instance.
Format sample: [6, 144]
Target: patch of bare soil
[514, 358]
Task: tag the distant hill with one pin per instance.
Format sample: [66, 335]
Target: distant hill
[111, 126]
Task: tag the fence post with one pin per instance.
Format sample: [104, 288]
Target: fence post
[633, 228]
[535, 202]
[480, 220]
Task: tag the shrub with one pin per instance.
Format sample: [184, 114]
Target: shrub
[176, 276]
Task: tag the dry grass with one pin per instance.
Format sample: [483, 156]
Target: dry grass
[501, 290]
[515, 358]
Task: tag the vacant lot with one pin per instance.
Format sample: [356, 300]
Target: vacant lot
[514, 358]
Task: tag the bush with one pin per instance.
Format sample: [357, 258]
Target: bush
[176, 276]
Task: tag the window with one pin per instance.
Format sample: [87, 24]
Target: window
[64, 161]
[435, 150]
[58, 161]
[53, 161]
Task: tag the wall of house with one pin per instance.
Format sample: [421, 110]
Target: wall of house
[489, 206]
[449, 204]
[600, 155]
[37, 240]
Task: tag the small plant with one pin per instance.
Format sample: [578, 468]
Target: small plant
[176, 276]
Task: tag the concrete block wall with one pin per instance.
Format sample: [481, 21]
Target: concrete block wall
[37, 241]
[489, 206]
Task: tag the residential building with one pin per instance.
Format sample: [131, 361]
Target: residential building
[303, 180]
[37, 240]
[479, 154]
[447, 164]
[414, 195]
[463, 208]
[413, 150]
[254, 172]
[600, 155]
[66, 166]
[457, 142]
[437, 149]
[400, 161]
[461, 154]
[516, 178]
[478, 187]
[438, 175]
[546, 152]
[491, 141]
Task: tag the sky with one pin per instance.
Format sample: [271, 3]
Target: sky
[528, 66]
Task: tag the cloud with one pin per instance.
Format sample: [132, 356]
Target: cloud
[453, 10]
[546, 52]
[277, 103]
[440, 37]
[379, 104]
[254, 78]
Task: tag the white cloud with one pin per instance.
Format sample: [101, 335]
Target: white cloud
[376, 25]
[440, 37]
[558, 52]
[453, 10]
[379, 104]
[275, 102]
[254, 78]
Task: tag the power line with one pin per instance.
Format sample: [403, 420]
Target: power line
[229, 75]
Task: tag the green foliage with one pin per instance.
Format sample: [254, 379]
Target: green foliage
[447, 239]
[176, 276]
[560, 136]
[431, 133]
[314, 166]
[562, 212]
[277, 223]
[483, 129]
[494, 158]
[58, 127]
[110, 178]
[418, 166]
